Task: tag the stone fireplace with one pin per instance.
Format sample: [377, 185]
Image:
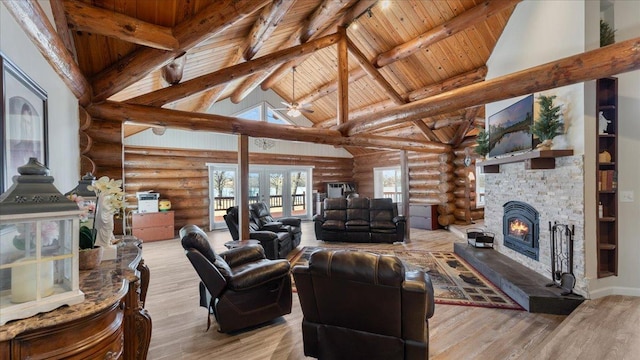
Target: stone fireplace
[521, 228]
[538, 197]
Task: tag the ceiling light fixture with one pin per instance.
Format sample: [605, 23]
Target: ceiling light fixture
[264, 143]
[159, 130]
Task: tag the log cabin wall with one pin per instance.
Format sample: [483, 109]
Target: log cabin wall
[100, 146]
[424, 174]
[434, 179]
[181, 175]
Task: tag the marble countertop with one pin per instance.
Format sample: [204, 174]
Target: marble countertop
[102, 287]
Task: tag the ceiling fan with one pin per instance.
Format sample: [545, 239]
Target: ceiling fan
[293, 108]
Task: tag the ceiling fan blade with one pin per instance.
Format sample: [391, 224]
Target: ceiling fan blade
[285, 104]
[280, 109]
[307, 110]
[306, 105]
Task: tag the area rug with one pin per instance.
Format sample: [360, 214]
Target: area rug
[454, 281]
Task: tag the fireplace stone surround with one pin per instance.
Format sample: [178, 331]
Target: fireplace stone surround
[557, 194]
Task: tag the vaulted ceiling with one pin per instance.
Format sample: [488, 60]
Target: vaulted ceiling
[397, 52]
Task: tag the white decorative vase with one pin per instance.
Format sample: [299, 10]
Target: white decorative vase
[104, 230]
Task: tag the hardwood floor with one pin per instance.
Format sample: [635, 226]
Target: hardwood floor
[456, 332]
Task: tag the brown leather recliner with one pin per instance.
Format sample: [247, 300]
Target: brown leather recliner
[240, 286]
[359, 305]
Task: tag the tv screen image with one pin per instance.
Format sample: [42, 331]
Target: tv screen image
[509, 129]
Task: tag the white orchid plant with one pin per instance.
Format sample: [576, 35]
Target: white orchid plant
[111, 192]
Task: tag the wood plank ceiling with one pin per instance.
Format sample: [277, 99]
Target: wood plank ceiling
[410, 49]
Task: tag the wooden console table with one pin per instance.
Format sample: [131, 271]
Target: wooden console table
[536, 159]
[111, 323]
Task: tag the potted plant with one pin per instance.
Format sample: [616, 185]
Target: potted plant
[90, 255]
[607, 34]
[549, 123]
[482, 139]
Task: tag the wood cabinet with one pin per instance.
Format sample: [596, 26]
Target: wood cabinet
[606, 176]
[153, 226]
[423, 217]
[111, 323]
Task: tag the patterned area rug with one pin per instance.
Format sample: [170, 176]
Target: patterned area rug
[454, 281]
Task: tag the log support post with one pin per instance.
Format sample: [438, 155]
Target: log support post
[243, 203]
[404, 171]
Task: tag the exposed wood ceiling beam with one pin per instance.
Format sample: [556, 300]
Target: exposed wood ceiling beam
[213, 19]
[62, 27]
[322, 14]
[349, 16]
[464, 79]
[463, 21]
[387, 88]
[34, 22]
[142, 114]
[84, 17]
[342, 106]
[193, 86]
[607, 61]
[374, 74]
[463, 128]
[264, 26]
[330, 87]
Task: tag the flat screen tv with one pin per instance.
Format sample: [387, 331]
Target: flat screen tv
[509, 128]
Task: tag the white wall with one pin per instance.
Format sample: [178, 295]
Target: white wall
[526, 42]
[63, 149]
[215, 141]
[542, 31]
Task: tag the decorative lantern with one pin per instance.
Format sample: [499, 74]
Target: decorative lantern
[85, 198]
[39, 230]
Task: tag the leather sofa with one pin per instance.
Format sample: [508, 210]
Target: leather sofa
[240, 286]
[276, 237]
[360, 305]
[360, 219]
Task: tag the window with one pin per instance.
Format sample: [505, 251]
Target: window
[263, 112]
[251, 114]
[387, 183]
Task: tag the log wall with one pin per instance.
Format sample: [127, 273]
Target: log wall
[181, 176]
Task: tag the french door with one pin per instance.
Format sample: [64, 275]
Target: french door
[286, 189]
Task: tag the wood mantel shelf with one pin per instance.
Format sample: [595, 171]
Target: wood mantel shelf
[536, 159]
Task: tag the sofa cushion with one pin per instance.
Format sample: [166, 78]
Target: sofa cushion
[333, 225]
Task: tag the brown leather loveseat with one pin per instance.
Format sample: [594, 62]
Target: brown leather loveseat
[360, 219]
[360, 305]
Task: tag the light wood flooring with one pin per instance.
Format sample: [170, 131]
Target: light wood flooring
[456, 332]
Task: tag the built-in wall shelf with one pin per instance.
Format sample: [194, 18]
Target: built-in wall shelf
[535, 159]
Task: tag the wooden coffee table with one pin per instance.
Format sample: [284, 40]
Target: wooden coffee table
[240, 243]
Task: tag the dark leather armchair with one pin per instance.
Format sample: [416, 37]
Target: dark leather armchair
[262, 216]
[276, 240]
[359, 305]
[240, 286]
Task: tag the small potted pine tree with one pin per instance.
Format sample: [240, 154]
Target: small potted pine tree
[549, 123]
[482, 139]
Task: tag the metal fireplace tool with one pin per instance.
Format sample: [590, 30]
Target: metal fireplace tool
[562, 257]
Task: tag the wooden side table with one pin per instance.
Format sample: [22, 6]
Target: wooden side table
[240, 243]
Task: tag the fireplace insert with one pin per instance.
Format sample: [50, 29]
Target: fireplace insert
[521, 228]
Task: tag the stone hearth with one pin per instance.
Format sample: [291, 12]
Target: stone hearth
[522, 284]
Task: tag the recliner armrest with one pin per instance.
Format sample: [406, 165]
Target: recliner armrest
[399, 218]
[243, 255]
[318, 218]
[258, 273]
[291, 221]
[272, 226]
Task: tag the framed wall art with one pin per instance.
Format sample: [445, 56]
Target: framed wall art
[24, 121]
